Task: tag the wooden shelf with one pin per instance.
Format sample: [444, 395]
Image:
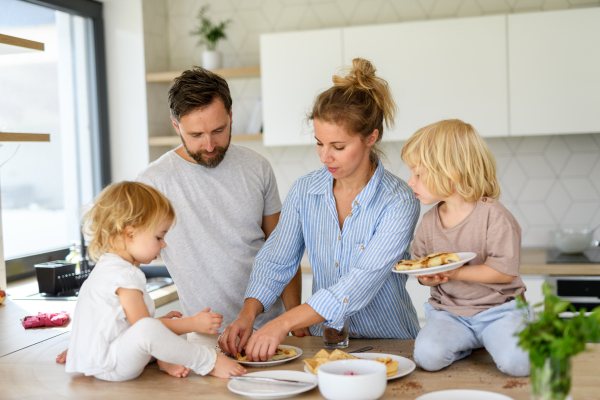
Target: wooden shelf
[173, 140]
[231, 73]
[24, 137]
[13, 45]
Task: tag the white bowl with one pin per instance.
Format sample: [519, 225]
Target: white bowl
[368, 384]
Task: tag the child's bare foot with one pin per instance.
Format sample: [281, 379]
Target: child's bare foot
[225, 367]
[178, 371]
[62, 357]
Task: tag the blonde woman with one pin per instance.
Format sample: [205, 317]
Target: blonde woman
[354, 218]
[473, 306]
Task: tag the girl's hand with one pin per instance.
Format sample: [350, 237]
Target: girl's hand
[225, 367]
[432, 280]
[171, 315]
[264, 342]
[207, 322]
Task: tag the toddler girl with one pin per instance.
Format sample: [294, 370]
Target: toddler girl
[473, 306]
[114, 333]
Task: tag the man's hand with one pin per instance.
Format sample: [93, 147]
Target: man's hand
[432, 280]
[242, 328]
[171, 315]
[207, 322]
[264, 342]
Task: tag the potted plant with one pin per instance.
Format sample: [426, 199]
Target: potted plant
[552, 341]
[210, 35]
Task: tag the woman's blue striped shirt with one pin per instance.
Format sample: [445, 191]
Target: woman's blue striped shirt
[352, 267]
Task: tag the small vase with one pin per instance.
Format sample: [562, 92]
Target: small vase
[552, 381]
[211, 59]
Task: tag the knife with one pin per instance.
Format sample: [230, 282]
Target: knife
[274, 380]
[362, 349]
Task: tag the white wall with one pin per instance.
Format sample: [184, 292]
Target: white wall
[128, 120]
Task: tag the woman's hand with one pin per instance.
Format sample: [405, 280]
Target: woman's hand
[242, 328]
[432, 280]
[171, 315]
[264, 342]
[207, 322]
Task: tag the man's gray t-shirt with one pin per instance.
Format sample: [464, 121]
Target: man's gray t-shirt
[211, 249]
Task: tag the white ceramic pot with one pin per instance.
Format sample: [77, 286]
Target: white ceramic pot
[211, 59]
[368, 384]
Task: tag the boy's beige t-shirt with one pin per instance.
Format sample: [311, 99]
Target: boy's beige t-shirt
[494, 235]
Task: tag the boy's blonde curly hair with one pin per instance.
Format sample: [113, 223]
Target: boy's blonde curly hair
[120, 205]
[456, 158]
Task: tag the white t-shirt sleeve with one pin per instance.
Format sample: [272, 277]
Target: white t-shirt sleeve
[129, 278]
[272, 200]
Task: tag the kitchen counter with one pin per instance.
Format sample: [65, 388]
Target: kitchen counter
[533, 262]
[33, 373]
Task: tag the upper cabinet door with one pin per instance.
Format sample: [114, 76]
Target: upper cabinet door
[295, 68]
[440, 69]
[554, 64]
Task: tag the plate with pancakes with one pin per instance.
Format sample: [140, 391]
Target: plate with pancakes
[397, 366]
[283, 354]
[433, 263]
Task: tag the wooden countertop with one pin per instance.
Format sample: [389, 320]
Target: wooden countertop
[533, 262]
[33, 373]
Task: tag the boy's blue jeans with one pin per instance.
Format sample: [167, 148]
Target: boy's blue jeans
[447, 338]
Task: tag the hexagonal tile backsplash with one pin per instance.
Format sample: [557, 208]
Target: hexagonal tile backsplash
[547, 182]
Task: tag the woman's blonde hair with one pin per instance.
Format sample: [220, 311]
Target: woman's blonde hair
[456, 158]
[358, 101]
[121, 205]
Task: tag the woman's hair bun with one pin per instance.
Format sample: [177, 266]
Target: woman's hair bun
[360, 75]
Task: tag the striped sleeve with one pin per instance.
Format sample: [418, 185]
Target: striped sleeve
[278, 260]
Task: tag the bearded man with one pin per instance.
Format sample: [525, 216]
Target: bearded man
[226, 200]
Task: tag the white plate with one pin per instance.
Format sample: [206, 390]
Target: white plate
[463, 395]
[463, 257]
[270, 390]
[271, 363]
[405, 366]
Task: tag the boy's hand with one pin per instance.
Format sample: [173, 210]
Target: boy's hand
[432, 280]
[207, 322]
[171, 315]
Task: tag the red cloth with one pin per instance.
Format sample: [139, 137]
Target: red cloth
[46, 319]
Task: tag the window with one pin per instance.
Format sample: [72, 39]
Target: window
[60, 91]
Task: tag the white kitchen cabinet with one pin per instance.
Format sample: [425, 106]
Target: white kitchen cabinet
[295, 67]
[554, 64]
[442, 69]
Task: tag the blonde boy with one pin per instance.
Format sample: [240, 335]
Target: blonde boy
[473, 306]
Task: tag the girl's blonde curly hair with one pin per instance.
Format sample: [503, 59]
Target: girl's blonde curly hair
[456, 158]
[121, 205]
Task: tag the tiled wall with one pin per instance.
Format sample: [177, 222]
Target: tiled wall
[547, 182]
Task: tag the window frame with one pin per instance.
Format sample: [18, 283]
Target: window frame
[100, 140]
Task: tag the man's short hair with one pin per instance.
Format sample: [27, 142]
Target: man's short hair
[197, 88]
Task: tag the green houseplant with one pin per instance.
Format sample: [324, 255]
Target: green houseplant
[552, 341]
[210, 34]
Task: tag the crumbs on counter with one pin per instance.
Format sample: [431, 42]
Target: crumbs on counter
[514, 383]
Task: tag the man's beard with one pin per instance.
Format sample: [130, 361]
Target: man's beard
[209, 162]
